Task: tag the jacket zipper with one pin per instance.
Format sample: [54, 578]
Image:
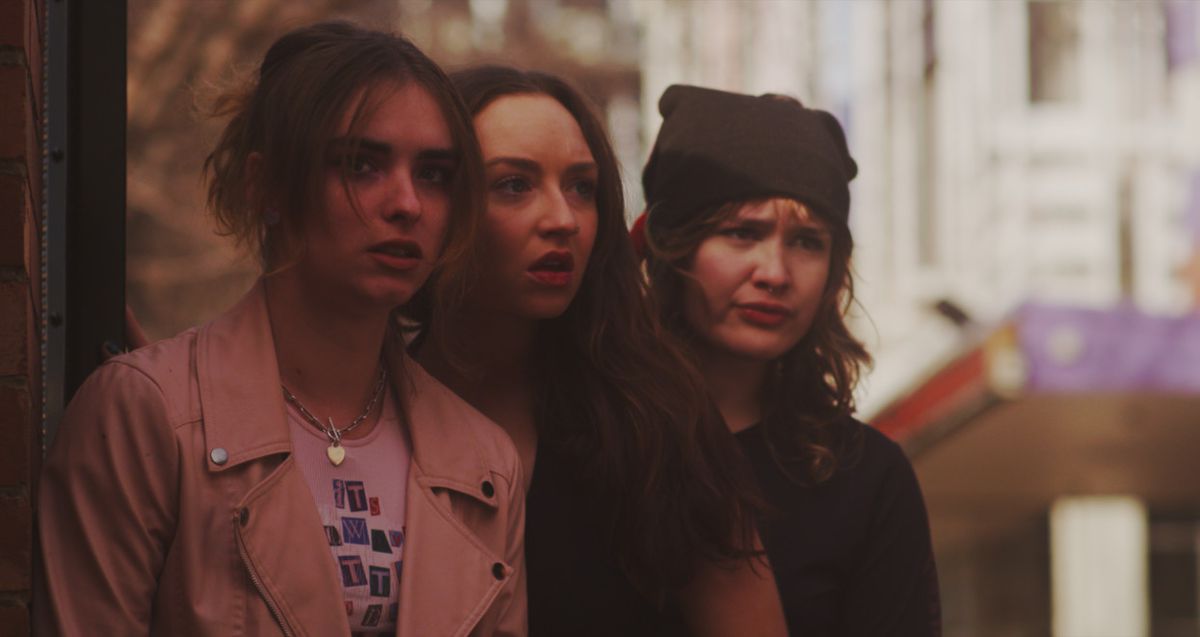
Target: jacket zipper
[271, 605]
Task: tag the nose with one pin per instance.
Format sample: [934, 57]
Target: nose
[771, 273]
[558, 219]
[403, 203]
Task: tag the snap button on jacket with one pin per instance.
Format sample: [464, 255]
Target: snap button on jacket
[170, 504]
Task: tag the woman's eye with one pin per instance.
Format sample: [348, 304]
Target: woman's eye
[513, 186]
[809, 242]
[434, 174]
[585, 189]
[358, 165]
[739, 233]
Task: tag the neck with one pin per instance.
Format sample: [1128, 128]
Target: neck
[495, 353]
[495, 376]
[736, 384]
[328, 356]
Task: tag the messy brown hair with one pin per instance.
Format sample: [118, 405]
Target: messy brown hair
[263, 175]
[811, 387]
[619, 397]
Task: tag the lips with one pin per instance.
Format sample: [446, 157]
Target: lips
[763, 314]
[556, 268]
[397, 255]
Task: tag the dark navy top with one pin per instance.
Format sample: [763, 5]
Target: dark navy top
[851, 555]
[575, 587]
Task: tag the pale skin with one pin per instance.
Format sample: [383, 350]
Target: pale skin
[751, 293]
[330, 309]
[541, 180]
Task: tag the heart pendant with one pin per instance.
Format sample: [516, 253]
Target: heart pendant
[336, 453]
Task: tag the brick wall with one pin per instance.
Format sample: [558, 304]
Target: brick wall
[22, 25]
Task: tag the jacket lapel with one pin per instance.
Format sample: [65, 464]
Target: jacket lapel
[275, 524]
[450, 575]
[448, 582]
[276, 521]
[240, 395]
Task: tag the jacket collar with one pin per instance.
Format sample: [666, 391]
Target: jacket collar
[444, 430]
[238, 377]
[244, 412]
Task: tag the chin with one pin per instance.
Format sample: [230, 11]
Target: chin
[756, 349]
[544, 311]
[389, 296]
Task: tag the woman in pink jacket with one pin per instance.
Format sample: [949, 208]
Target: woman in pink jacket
[277, 469]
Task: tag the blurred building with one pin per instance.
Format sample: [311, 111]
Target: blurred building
[1026, 214]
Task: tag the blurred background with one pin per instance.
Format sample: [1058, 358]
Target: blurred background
[1027, 215]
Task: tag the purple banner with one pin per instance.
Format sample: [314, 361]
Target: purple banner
[1122, 349]
[1181, 17]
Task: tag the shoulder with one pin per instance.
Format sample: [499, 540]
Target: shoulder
[155, 380]
[885, 465]
[126, 417]
[876, 448]
[162, 371]
[449, 433]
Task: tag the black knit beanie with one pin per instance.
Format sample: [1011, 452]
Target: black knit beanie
[716, 147]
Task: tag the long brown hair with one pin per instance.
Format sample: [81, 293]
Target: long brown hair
[619, 396]
[811, 386]
[287, 113]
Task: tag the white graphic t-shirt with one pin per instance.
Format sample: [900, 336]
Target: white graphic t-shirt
[361, 504]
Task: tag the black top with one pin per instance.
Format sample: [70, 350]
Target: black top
[575, 587]
[852, 555]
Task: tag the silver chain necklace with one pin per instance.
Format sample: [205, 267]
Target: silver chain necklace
[336, 452]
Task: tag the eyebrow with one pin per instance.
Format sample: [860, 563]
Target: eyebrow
[383, 148]
[751, 222]
[530, 165]
[803, 227]
[515, 162]
[582, 167]
[438, 154]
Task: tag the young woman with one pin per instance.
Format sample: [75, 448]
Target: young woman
[638, 521]
[279, 468]
[748, 253]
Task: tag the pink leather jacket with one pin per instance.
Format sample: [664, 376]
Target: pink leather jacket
[170, 504]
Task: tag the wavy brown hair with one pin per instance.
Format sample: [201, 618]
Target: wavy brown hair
[263, 175]
[811, 386]
[619, 396]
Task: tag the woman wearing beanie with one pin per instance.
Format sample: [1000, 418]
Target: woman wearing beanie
[748, 249]
[639, 520]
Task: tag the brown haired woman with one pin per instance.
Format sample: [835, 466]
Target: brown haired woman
[638, 522]
[278, 468]
[749, 258]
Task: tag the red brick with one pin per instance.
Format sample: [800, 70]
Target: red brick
[32, 146]
[13, 15]
[16, 542]
[14, 328]
[13, 210]
[14, 621]
[33, 52]
[33, 262]
[16, 424]
[13, 108]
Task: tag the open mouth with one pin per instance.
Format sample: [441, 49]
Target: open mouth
[555, 268]
[763, 314]
[399, 255]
